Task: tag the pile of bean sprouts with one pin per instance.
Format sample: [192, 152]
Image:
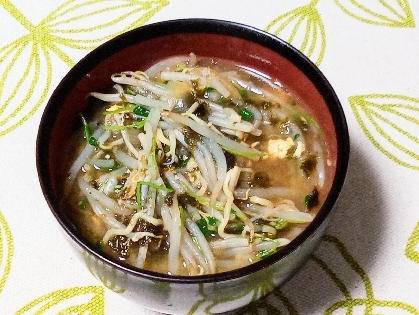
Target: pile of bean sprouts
[156, 173]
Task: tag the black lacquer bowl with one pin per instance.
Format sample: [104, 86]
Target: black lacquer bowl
[137, 50]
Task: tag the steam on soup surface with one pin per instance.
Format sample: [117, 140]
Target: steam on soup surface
[195, 166]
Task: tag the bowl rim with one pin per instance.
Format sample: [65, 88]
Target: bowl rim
[208, 26]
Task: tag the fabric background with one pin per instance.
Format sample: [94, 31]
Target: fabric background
[368, 263]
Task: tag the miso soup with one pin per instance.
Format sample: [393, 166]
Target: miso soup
[194, 166]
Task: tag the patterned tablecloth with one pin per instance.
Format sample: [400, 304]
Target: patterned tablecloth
[368, 263]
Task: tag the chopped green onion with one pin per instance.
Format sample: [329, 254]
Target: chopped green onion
[281, 224]
[93, 141]
[208, 89]
[182, 215]
[246, 114]
[244, 93]
[141, 111]
[307, 200]
[83, 204]
[130, 92]
[203, 226]
[212, 221]
[296, 136]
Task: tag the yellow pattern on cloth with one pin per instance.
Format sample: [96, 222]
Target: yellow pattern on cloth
[387, 121]
[6, 251]
[303, 28]
[60, 302]
[29, 59]
[28, 64]
[382, 12]
[412, 247]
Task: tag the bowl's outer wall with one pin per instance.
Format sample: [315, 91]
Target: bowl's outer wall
[220, 297]
[139, 49]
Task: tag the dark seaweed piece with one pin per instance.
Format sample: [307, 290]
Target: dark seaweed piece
[185, 200]
[202, 110]
[234, 228]
[309, 164]
[231, 159]
[120, 244]
[312, 199]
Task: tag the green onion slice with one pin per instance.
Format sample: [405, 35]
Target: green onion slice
[246, 114]
[151, 184]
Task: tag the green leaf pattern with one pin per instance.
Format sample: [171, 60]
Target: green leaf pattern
[412, 247]
[303, 28]
[389, 121]
[75, 301]
[393, 13]
[26, 64]
[6, 251]
[334, 260]
[368, 303]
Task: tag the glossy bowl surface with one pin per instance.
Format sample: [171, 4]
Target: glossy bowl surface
[137, 50]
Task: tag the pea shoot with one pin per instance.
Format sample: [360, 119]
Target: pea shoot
[87, 133]
[138, 124]
[265, 253]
